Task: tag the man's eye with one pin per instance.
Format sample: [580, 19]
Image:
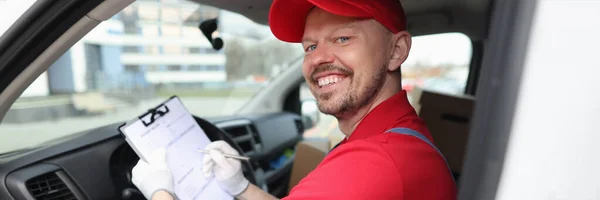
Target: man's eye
[310, 48]
[343, 39]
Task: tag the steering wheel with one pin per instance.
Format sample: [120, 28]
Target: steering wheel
[214, 133]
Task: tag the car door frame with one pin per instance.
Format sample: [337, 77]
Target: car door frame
[497, 92]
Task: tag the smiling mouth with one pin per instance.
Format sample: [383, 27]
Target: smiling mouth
[330, 80]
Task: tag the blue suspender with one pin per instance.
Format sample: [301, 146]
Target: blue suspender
[408, 131]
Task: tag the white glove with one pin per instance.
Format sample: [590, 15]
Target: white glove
[227, 171]
[153, 176]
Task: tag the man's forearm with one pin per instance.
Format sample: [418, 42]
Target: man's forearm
[255, 193]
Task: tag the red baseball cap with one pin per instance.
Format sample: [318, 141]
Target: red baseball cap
[287, 18]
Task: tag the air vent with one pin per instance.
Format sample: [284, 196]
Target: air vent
[49, 187]
[255, 135]
[243, 133]
[245, 137]
[237, 131]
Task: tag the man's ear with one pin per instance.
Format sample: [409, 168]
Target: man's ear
[402, 42]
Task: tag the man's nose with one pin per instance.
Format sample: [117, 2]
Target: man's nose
[321, 55]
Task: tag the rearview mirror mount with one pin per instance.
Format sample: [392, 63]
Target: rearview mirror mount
[208, 27]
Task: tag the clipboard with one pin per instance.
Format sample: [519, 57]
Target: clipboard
[170, 125]
[148, 118]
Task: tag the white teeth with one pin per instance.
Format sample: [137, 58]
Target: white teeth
[328, 80]
[322, 82]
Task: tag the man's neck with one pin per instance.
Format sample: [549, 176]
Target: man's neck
[348, 123]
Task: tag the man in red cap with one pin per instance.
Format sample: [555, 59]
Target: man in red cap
[354, 50]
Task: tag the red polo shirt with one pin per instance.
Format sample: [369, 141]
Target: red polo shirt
[372, 164]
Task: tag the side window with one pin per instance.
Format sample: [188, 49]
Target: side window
[437, 62]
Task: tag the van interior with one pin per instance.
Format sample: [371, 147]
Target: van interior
[97, 163]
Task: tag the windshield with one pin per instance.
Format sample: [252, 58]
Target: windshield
[148, 52]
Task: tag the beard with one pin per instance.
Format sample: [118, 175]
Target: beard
[345, 102]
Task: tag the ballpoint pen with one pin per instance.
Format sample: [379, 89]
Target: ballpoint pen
[228, 155]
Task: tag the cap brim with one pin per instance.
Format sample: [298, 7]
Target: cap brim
[287, 18]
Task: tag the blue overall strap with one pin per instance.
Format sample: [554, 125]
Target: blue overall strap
[408, 131]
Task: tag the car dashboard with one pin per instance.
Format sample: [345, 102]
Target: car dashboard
[96, 164]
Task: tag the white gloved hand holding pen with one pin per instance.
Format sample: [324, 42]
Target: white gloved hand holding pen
[227, 171]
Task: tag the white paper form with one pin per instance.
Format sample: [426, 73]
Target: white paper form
[179, 133]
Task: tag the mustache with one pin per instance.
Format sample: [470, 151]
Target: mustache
[330, 68]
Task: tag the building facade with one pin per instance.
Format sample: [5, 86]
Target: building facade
[147, 44]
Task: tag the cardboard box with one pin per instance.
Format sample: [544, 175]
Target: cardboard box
[309, 153]
[448, 118]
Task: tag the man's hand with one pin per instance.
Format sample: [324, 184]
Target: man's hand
[227, 171]
[153, 176]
